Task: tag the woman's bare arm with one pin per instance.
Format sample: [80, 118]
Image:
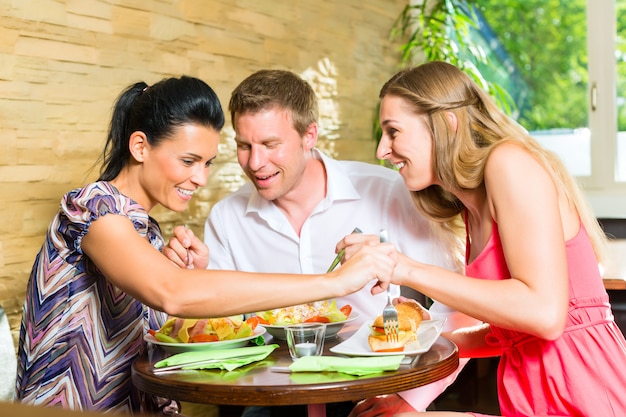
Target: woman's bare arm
[133, 265]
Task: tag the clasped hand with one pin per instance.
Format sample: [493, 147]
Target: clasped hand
[352, 243]
[186, 250]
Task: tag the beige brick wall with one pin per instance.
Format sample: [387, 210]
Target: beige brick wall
[63, 62]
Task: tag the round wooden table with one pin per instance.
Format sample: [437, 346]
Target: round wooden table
[257, 384]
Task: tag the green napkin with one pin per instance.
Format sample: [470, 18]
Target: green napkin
[320, 377]
[354, 366]
[229, 358]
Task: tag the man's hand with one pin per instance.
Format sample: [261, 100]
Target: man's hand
[381, 406]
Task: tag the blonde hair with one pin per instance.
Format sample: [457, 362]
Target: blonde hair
[459, 156]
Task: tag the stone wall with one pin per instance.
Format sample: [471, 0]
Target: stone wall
[63, 62]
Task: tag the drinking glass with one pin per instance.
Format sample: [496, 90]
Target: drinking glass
[305, 339]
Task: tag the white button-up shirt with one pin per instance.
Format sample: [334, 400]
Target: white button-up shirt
[248, 233]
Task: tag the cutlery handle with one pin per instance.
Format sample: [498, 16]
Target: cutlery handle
[383, 236]
[340, 254]
[281, 369]
[187, 259]
[180, 367]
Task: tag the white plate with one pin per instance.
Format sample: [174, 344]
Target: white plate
[193, 347]
[427, 332]
[331, 328]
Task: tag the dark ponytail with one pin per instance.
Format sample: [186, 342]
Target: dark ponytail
[156, 111]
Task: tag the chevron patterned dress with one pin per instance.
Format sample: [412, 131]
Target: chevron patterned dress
[79, 333]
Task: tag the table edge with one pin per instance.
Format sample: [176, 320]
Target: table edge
[302, 393]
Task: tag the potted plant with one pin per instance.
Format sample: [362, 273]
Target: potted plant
[445, 30]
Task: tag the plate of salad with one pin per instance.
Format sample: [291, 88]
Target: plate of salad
[189, 335]
[327, 312]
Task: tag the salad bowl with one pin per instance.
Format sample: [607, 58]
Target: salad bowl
[331, 328]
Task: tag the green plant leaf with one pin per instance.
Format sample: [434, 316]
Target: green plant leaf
[438, 30]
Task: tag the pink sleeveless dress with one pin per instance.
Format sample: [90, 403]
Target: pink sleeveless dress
[583, 373]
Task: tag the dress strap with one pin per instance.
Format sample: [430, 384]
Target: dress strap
[467, 236]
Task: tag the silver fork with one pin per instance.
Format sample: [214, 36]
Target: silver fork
[390, 314]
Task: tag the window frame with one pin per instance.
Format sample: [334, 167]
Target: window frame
[606, 196]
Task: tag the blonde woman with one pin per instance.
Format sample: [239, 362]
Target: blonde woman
[533, 246]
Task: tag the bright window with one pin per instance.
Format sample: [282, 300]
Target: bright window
[565, 67]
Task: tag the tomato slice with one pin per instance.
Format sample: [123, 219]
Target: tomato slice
[152, 333]
[201, 338]
[317, 319]
[347, 309]
[254, 321]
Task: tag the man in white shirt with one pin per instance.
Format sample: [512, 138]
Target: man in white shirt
[299, 203]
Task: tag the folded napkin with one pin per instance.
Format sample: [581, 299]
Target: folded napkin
[354, 366]
[227, 359]
[321, 377]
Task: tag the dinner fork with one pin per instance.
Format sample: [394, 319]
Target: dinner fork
[390, 314]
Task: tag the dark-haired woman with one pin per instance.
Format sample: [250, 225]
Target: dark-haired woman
[100, 280]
